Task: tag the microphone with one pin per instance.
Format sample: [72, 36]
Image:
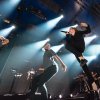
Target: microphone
[65, 32]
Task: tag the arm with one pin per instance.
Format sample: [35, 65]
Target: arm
[57, 58]
[64, 67]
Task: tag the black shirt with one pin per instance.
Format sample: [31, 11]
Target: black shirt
[47, 61]
[78, 39]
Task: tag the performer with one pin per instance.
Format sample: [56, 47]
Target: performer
[75, 43]
[3, 41]
[50, 60]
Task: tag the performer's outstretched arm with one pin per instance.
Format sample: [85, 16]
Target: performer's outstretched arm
[64, 67]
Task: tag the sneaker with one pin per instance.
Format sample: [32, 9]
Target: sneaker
[83, 62]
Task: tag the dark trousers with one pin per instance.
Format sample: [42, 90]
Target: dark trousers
[78, 52]
[40, 80]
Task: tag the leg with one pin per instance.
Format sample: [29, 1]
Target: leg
[89, 75]
[33, 87]
[44, 77]
[43, 91]
[77, 53]
[73, 50]
[47, 75]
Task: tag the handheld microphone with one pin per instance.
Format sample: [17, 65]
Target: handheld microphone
[65, 32]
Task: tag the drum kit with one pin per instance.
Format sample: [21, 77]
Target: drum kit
[84, 85]
[83, 80]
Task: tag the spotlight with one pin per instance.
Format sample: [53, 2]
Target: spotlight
[7, 31]
[61, 16]
[13, 27]
[48, 39]
[62, 45]
[50, 97]
[57, 47]
[71, 95]
[95, 36]
[60, 96]
[88, 40]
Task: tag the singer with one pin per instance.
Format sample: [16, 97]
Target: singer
[75, 43]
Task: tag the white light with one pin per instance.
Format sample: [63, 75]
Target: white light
[71, 95]
[88, 40]
[90, 58]
[93, 50]
[57, 48]
[48, 39]
[7, 31]
[8, 6]
[13, 27]
[62, 16]
[50, 97]
[60, 96]
[52, 23]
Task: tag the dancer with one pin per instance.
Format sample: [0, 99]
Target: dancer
[75, 43]
[50, 60]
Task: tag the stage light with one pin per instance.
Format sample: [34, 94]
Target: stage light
[13, 27]
[88, 40]
[57, 48]
[8, 6]
[90, 58]
[53, 23]
[68, 59]
[93, 50]
[45, 28]
[40, 44]
[6, 32]
[71, 95]
[50, 97]
[67, 28]
[48, 39]
[45, 41]
[61, 16]
[60, 96]
[29, 50]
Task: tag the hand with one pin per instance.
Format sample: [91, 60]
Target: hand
[83, 24]
[64, 67]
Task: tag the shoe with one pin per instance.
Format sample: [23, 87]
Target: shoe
[83, 62]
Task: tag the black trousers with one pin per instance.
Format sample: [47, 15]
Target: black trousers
[40, 80]
[78, 52]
